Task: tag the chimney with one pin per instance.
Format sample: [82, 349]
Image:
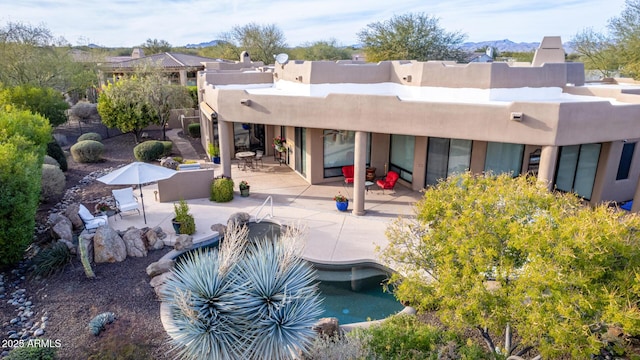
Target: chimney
[245, 58]
[137, 53]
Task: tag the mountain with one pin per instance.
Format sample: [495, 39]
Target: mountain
[508, 45]
[203, 44]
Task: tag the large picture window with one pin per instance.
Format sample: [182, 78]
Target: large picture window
[401, 157]
[577, 167]
[504, 158]
[339, 150]
[446, 157]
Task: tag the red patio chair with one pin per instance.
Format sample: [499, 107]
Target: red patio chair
[389, 181]
[347, 171]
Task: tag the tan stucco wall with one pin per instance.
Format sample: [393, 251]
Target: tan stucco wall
[186, 184]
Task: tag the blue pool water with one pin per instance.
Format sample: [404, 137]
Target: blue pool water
[351, 293]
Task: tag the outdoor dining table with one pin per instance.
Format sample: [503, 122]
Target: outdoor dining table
[247, 157]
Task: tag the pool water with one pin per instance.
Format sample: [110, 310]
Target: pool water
[350, 293]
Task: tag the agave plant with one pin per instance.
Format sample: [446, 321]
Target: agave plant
[243, 301]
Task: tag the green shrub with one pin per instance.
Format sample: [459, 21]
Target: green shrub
[193, 92]
[178, 159]
[23, 140]
[194, 130]
[51, 260]
[87, 151]
[148, 150]
[51, 161]
[404, 337]
[90, 136]
[222, 190]
[53, 182]
[168, 147]
[186, 220]
[55, 151]
[33, 353]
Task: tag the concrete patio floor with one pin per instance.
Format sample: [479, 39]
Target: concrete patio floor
[332, 236]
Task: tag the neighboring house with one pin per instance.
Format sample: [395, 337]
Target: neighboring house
[180, 68]
[429, 120]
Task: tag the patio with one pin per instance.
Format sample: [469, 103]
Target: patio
[333, 236]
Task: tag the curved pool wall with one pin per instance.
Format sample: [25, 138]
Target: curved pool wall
[360, 281]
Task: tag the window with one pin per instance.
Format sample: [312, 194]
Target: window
[625, 161]
[577, 167]
[401, 157]
[339, 150]
[446, 157]
[504, 158]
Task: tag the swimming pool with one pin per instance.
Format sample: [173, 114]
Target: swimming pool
[352, 293]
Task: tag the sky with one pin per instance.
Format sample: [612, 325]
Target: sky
[129, 23]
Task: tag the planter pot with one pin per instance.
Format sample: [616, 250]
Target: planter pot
[244, 192]
[176, 226]
[215, 159]
[342, 205]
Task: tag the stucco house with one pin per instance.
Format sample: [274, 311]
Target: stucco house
[428, 120]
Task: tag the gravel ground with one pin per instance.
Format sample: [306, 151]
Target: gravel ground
[67, 301]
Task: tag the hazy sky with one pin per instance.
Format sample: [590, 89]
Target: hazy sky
[130, 23]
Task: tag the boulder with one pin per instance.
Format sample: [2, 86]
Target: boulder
[61, 227]
[72, 248]
[153, 238]
[160, 267]
[108, 246]
[328, 327]
[183, 242]
[239, 218]
[168, 162]
[71, 212]
[220, 228]
[159, 279]
[133, 242]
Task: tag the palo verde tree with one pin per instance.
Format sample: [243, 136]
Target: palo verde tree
[625, 34]
[321, 50]
[410, 37]
[124, 105]
[493, 253]
[596, 51]
[23, 142]
[261, 41]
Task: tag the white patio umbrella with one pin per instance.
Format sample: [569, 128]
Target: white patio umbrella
[137, 173]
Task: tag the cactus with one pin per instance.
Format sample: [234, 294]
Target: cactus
[96, 325]
[84, 258]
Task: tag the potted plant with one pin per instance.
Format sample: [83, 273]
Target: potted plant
[244, 188]
[183, 222]
[103, 208]
[221, 189]
[214, 152]
[342, 203]
[278, 143]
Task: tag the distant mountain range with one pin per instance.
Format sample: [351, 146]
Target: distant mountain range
[203, 44]
[508, 45]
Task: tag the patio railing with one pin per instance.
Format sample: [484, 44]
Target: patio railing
[269, 200]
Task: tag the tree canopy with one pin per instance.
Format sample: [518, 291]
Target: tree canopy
[155, 46]
[320, 50]
[31, 55]
[490, 253]
[261, 41]
[44, 101]
[412, 36]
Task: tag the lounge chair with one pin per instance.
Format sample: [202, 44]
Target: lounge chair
[90, 221]
[125, 200]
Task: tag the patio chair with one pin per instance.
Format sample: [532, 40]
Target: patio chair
[90, 221]
[347, 171]
[389, 181]
[125, 200]
[258, 157]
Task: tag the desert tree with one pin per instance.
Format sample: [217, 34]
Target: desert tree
[493, 253]
[32, 55]
[625, 34]
[162, 97]
[596, 51]
[321, 50]
[44, 101]
[123, 104]
[261, 41]
[155, 46]
[412, 36]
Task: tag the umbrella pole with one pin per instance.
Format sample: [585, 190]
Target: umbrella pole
[144, 215]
